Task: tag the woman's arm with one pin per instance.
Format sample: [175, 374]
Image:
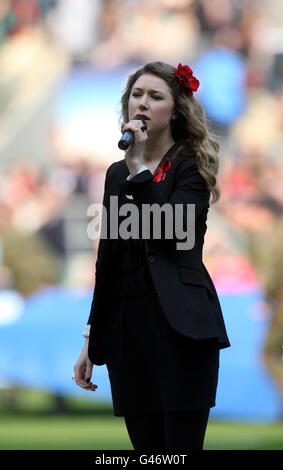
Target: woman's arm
[98, 263]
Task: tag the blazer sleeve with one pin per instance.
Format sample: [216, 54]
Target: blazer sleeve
[98, 263]
[189, 187]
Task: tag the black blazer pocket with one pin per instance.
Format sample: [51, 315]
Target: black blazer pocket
[200, 301]
[195, 277]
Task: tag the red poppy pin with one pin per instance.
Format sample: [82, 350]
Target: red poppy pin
[159, 175]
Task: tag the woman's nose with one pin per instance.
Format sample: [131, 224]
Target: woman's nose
[143, 101]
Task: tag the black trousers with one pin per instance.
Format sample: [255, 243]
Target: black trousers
[163, 429]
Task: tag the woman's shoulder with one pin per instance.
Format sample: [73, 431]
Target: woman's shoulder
[116, 166]
[116, 171]
[182, 162]
[186, 168]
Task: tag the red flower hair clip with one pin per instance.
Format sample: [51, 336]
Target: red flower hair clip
[186, 79]
[159, 175]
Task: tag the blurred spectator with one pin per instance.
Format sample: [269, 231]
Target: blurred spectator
[213, 14]
[143, 31]
[7, 19]
[26, 12]
[75, 26]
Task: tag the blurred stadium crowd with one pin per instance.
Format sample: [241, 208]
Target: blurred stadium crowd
[107, 34]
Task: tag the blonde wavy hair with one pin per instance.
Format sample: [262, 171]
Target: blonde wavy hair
[190, 124]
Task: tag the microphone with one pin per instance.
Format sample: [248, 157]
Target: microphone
[128, 137]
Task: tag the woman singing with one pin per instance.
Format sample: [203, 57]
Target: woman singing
[155, 319]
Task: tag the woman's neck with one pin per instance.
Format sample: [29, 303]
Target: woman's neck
[155, 149]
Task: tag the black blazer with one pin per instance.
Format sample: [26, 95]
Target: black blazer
[184, 287]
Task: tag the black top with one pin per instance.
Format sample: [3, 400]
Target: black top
[131, 269]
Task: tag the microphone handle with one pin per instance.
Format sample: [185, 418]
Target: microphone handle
[129, 137]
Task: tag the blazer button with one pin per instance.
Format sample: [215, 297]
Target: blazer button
[151, 259]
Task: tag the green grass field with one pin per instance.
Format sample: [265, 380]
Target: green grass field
[35, 425]
[98, 432]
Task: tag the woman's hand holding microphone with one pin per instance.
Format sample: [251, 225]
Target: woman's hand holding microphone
[134, 154]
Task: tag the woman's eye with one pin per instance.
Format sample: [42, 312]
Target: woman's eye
[156, 97]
